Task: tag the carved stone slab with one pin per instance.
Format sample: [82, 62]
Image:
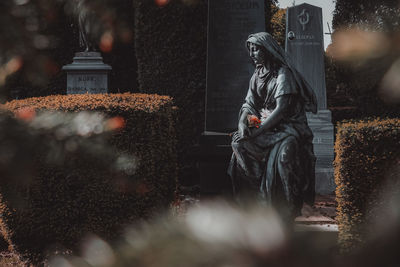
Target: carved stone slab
[228, 64]
[323, 142]
[305, 46]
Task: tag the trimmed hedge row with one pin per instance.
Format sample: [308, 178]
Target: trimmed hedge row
[366, 152]
[97, 186]
[171, 48]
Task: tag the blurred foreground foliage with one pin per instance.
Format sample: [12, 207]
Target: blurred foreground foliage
[65, 174]
[379, 14]
[362, 61]
[223, 234]
[56, 184]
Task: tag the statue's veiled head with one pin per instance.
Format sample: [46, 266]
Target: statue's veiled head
[257, 53]
[268, 47]
[267, 52]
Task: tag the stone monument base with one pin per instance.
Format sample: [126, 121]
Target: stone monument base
[213, 154]
[322, 128]
[87, 74]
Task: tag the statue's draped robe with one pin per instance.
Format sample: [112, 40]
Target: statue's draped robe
[278, 164]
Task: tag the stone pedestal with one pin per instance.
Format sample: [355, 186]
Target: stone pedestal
[87, 74]
[323, 142]
[214, 153]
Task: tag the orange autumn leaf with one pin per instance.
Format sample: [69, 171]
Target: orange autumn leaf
[161, 3]
[116, 123]
[26, 114]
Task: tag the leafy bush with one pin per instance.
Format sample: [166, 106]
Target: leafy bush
[366, 152]
[65, 177]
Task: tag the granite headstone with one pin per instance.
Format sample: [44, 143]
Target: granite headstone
[228, 65]
[304, 44]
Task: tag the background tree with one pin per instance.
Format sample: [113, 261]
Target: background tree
[24, 37]
[275, 21]
[270, 7]
[362, 52]
[38, 37]
[378, 14]
[278, 23]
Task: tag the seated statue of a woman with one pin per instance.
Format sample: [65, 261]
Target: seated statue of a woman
[273, 154]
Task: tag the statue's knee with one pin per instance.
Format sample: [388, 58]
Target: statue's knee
[288, 152]
[238, 145]
[235, 144]
[284, 157]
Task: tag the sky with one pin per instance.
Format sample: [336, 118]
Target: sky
[327, 9]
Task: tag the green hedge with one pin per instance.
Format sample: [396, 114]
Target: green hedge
[366, 151]
[171, 48]
[53, 194]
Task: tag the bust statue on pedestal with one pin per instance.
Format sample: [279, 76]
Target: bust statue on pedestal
[87, 73]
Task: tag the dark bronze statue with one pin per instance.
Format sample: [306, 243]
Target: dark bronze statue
[273, 154]
[85, 22]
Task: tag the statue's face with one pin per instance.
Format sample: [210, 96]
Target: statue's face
[256, 54]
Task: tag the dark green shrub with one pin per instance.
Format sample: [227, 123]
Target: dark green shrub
[366, 151]
[170, 43]
[63, 184]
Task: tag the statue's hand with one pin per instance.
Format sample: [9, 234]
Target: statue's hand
[243, 130]
[255, 132]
